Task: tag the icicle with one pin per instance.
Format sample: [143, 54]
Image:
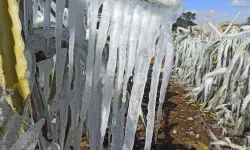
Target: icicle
[122, 121]
[93, 9]
[47, 23]
[101, 41]
[96, 97]
[64, 103]
[80, 13]
[144, 55]
[117, 131]
[72, 14]
[155, 23]
[94, 117]
[79, 47]
[131, 54]
[80, 35]
[167, 70]
[94, 6]
[111, 66]
[69, 91]
[59, 59]
[77, 82]
[121, 67]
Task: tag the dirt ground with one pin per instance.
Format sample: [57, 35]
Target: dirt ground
[183, 126]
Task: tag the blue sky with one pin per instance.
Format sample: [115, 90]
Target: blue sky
[224, 10]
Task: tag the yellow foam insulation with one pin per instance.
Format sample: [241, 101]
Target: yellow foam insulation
[12, 61]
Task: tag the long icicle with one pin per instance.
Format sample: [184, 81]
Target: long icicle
[93, 13]
[131, 54]
[59, 65]
[80, 37]
[154, 85]
[167, 70]
[69, 92]
[120, 75]
[144, 54]
[72, 15]
[90, 59]
[109, 77]
[47, 23]
[96, 98]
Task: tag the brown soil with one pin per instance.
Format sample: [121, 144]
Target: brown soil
[183, 126]
[177, 130]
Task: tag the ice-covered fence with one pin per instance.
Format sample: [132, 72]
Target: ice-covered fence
[92, 48]
[133, 28]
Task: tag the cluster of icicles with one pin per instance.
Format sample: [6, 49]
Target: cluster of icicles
[123, 36]
[137, 31]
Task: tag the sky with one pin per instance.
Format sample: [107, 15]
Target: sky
[223, 10]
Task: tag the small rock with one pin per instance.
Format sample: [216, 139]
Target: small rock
[191, 133]
[174, 132]
[190, 119]
[197, 136]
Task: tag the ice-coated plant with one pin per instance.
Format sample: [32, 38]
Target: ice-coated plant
[69, 68]
[218, 68]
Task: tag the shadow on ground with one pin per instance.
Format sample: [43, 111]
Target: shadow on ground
[165, 139]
